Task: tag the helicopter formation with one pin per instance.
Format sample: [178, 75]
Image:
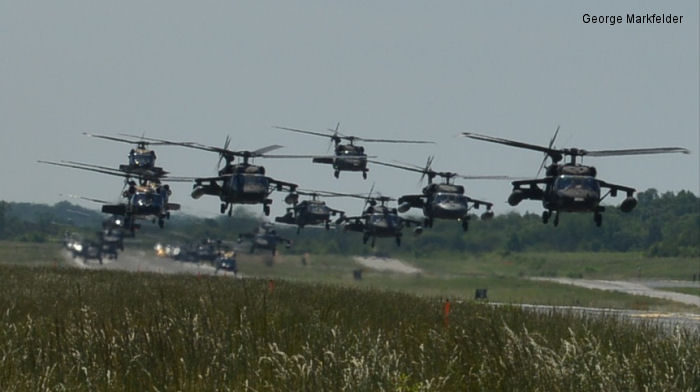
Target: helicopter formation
[565, 187]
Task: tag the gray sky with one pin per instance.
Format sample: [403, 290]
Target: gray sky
[198, 71]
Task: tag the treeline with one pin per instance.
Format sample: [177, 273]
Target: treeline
[665, 224]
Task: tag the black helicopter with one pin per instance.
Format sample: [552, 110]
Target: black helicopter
[378, 220]
[238, 183]
[147, 199]
[264, 237]
[348, 157]
[570, 186]
[142, 160]
[444, 200]
[307, 212]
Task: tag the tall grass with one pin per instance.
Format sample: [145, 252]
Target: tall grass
[65, 329]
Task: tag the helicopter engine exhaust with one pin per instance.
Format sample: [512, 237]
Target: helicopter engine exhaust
[487, 215]
[628, 204]
[197, 192]
[516, 197]
[291, 198]
[403, 207]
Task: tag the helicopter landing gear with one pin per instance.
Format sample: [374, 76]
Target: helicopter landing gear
[161, 223]
[545, 216]
[398, 240]
[230, 211]
[428, 222]
[266, 209]
[364, 174]
[465, 224]
[365, 237]
[298, 229]
[373, 240]
[556, 219]
[598, 219]
[336, 174]
[328, 225]
[223, 207]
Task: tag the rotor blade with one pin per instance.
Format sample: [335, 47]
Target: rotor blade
[465, 177]
[119, 174]
[261, 151]
[551, 144]
[304, 131]
[417, 170]
[86, 198]
[636, 151]
[388, 140]
[114, 139]
[549, 151]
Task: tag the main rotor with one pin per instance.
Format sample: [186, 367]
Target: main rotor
[427, 171]
[557, 154]
[337, 137]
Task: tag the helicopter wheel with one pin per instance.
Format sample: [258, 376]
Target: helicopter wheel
[428, 222]
[598, 219]
[365, 237]
[223, 207]
[545, 216]
[556, 219]
[398, 241]
[266, 209]
[161, 223]
[230, 211]
[373, 241]
[328, 225]
[336, 174]
[364, 175]
[465, 224]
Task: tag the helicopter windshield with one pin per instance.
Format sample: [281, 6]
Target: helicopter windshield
[146, 200]
[316, 208]
[250, 183]
[450, 198]
[384, 219]
[565, 182]
[142, 159]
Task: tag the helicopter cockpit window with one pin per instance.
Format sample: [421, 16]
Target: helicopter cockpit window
[146, 200]
[250, 182]
[316, 208]
[566, 182]
[388, 219]
[142, 159]
[447, 198]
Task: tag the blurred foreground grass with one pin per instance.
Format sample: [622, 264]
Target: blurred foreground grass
[69, 329]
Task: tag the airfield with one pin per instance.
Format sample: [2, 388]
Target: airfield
[139, 260]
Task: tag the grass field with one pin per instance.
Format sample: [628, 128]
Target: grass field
[78, 330]
[505, 276]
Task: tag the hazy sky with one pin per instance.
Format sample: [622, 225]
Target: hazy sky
[186, 70]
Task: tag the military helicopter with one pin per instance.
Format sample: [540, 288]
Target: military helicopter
[444, 200]
[378, 220]
[307, 212]
[147, 199]
[264, 237]
[241, 183]
[570, 186]
[348, 157]
[141, 159]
